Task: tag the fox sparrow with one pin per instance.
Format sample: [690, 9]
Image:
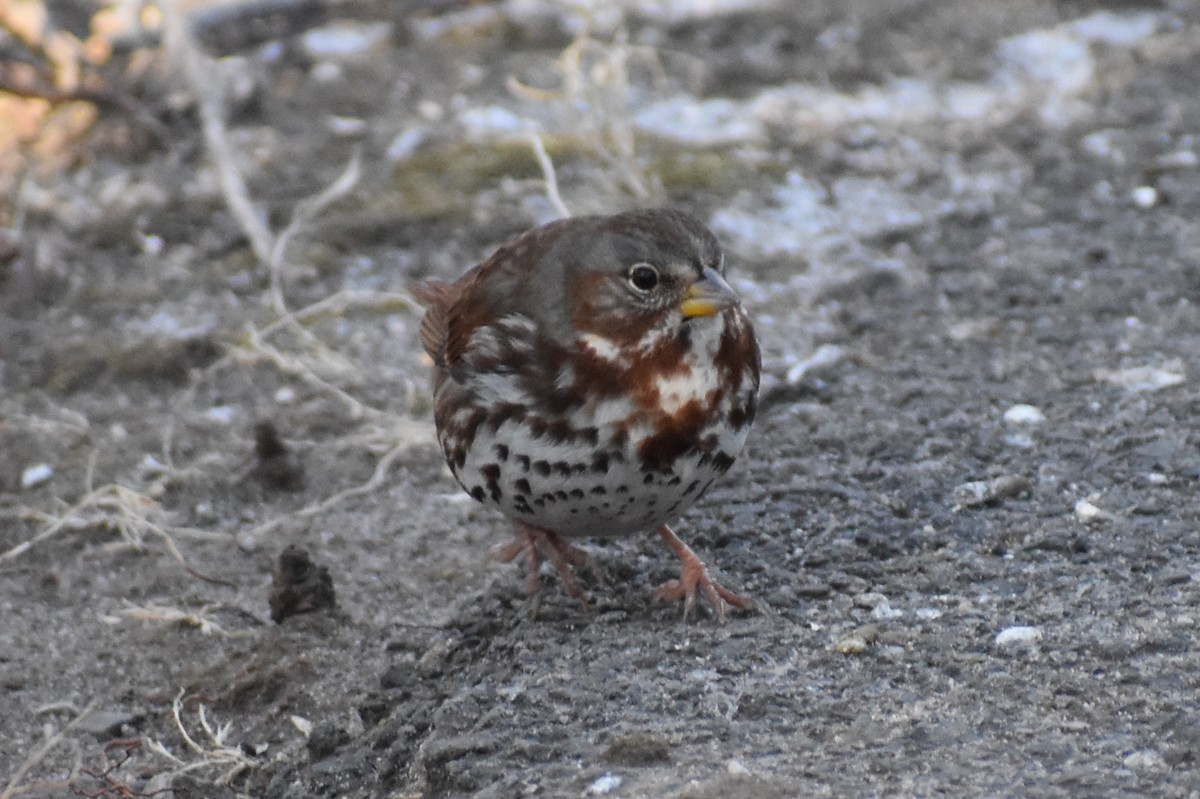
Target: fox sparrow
[593, 377]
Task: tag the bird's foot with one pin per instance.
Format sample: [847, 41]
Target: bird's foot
[694, 580]
[531, 541]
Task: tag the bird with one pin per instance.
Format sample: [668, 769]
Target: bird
[592, 378]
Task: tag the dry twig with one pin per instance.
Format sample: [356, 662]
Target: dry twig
[213, 751]
[174, 616]
[124, 509]
[547, 166]
[39, 754]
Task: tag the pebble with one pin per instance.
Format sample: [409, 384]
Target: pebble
[346, 126]
[1143, 759]
[1143, 378]
[1087, 512]
[857, 642]
[884, 610]
[603, 785]
[986, 492]
[36, 475]
[1024, 415]
[1145, 197]
[870, 600]
[852, 645]
[1017, 636]
[107, 724]
[345, 40]
[221, 414]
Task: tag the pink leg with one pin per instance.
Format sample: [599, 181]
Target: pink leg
[694, 578]
[530, 539]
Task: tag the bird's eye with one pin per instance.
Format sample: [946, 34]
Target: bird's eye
[643, 277]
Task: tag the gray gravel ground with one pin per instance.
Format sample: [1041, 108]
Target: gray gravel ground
[938, 214]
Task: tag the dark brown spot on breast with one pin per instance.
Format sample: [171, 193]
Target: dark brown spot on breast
[676, 434]
[491, 473]
[722, 462]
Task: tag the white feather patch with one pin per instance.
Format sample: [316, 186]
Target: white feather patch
[603, 348]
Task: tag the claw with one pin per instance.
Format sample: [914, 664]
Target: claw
[693, 579]
[530, 540]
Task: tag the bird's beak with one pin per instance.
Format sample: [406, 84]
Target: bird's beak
[707, 296]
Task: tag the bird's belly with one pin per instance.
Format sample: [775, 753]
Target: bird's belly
[586, 482]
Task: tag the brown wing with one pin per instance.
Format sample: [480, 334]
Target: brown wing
[456, 310]
[438, 297]
[484, 294]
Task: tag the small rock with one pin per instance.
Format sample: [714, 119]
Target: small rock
[857, 642]
[108, 724]
[852, 645]
[221, 414]
[299, 586]
[603, 785]
[346, 126]
[1143, 378]
[1089, 513]
[1022, 414]
[36, 475]
[345, 40]
[1144, 759]
[870, 600]
[884, 610]
[989, 492]
[1018, 636]
[1145, 197]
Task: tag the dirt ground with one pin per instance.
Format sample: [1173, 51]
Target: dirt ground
[969, 234]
